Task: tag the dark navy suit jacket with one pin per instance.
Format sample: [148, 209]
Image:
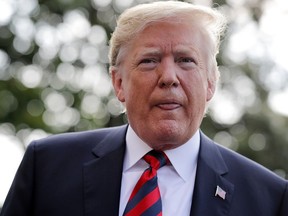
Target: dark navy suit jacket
[80, 174]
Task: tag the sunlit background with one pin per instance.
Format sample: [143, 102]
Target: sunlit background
[54, 78]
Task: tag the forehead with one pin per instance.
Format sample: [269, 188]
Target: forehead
[173, 35]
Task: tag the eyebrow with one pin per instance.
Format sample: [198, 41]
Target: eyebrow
[154, 50]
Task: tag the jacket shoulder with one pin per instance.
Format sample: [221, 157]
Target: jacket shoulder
[248, 169]
[85, 139]
[237, 165]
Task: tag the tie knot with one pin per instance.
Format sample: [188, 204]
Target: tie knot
[156, 159]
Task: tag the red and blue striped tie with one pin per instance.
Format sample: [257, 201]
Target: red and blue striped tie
[145, 199]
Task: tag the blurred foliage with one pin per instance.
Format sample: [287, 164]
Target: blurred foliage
[54, 78]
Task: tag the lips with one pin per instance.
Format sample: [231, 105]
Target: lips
[168, 106]
[168, 103]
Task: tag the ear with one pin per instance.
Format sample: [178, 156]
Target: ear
[210, 89]
[117, 83]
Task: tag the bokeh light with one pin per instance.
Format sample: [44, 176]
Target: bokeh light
[54, 73]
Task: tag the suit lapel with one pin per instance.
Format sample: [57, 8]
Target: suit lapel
[211, 170]
[102, 176]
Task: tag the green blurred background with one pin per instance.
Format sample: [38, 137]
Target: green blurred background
[54, 77]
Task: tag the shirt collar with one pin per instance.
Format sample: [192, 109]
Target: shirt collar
[183, 158]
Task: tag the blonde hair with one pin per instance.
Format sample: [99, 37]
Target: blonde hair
[135, 19]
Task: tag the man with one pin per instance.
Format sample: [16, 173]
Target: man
[163, 69]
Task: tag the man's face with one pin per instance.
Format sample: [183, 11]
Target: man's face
[162, 79]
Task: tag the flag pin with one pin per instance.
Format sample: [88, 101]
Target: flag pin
[220, 192]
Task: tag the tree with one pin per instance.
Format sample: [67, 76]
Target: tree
[54, 77]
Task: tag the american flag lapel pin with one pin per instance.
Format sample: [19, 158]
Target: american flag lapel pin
[220, 192]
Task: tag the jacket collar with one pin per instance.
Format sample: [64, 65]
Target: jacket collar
[102, 175]
[210, 175]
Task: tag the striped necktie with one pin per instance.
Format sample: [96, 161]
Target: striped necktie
[145, 199]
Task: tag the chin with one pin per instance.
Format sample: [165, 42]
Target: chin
[168, 127]
[169, 135]
[164, 137]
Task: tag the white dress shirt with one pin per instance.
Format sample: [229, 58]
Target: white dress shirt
[176, 182]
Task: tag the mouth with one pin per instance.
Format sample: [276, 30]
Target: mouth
[169, 105]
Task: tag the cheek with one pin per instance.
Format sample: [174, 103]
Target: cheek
[195, 89]
[143, 83]
[133, 91]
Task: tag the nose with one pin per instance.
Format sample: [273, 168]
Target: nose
[168, 76]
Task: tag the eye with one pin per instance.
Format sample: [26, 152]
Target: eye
[147, 64]
[186, 60]
[147, 61]
[186, 63]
